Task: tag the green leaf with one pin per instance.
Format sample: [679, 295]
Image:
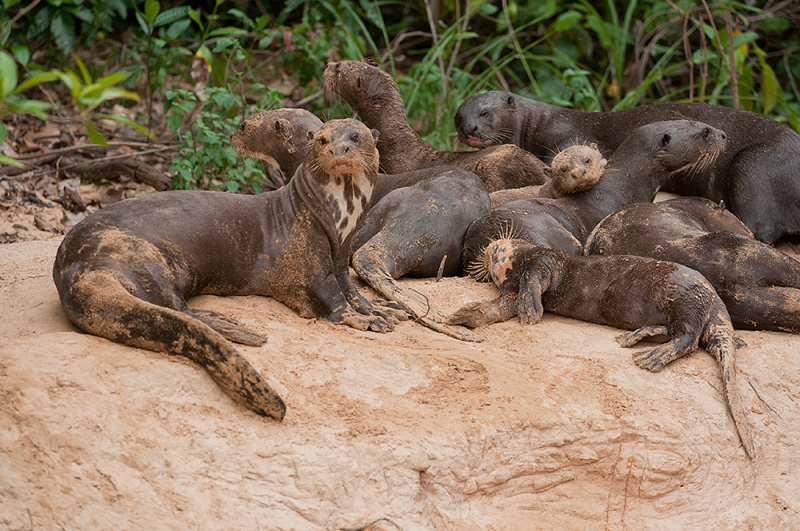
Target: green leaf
[223, 43]
[33, 107]
[194, 15]
[3, 132]
[87, 78]
[62, 27]
[227, 30]
[125, 120]
[566, 20]
[5, 159]
[143, 23]
[151, 10]
[232, 186]
[174, 122]
[37, 79]
[112, 79]
[171, 15]
[95, 136]
[21, 52]
[769, 87]
[93, 96]
[178, 28]
[8, 75]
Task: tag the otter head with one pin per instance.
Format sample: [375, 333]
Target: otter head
[367, 89]
[576, 169]
[277, 136]
[343, 159]
[487, 119]
[495, 261]
[683, 146]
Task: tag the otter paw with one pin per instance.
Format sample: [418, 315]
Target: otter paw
[366, 322]
[389, 310]
[656, 359]
[629, 339]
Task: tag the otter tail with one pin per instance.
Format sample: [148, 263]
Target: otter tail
[100, 305]
[718, 340]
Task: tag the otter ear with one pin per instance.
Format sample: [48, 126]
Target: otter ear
[282, 127]
[310, 135]
[593, 146]
[376, 134]
[510, 101]
[665, 139]
[548, 171]
[721, 205]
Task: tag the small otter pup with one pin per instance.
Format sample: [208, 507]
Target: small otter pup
[574, 169]
[649, 297]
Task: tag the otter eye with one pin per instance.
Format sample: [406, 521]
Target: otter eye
[588, 160]
[706, 132]
[322, 140]
[665, 139]
[484, 114]
[563, 170]
[358, 82]
[355, 138]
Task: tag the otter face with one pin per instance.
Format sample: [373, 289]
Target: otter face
[480, 119]
[343, 159]
[355, 81]
[576, 169]
[687, 147]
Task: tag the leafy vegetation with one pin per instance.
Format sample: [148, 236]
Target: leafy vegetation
[585, 54]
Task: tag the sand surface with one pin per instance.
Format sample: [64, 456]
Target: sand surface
[539, 427]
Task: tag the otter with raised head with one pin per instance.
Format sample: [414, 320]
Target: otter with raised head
[279, 137]
[417, 220]
[759, 285]
[758, 176]
[125, 272]
[649, 297]
[574, 169]
[375, 97]
[637, 170]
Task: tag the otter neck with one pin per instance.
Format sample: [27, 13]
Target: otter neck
[328, 204]
[397, 139]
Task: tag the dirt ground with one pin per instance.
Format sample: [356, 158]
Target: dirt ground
[539, 427]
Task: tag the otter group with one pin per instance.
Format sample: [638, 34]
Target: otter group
[501, 213]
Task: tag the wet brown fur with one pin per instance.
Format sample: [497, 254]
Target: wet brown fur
[125, 272]
[375, 98]
[636, 171]
[279, 137]
[759, 285]
[574, 169]
[649, 297]
[758, 176]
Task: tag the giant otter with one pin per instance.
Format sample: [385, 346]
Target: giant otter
[125, 272]
[649, 297]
